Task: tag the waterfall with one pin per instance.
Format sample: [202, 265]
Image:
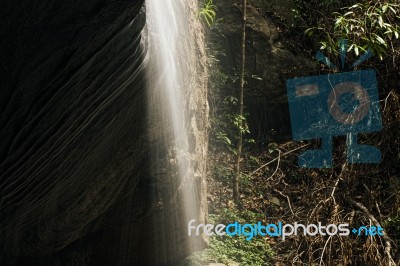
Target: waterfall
[171, 65]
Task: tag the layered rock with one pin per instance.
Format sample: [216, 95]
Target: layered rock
[269, 62]
[75, 187]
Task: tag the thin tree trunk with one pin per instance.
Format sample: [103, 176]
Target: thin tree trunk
[236, 181]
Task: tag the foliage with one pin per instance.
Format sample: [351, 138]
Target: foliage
[308, 11]
[228, 250]
[272, 182]
[372, 25]
[367, 25]
[227, 125]
[392, 227]
[230, 125]
[208, 12]
[394, 223]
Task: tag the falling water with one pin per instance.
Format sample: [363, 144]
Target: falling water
[170, 64]
[169, 68]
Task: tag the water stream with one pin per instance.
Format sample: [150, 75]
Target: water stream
[170, 70]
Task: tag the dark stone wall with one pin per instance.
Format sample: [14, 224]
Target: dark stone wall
[80, 183]
[72, 129]
[269, 62]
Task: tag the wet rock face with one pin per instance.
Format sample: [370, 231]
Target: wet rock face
[72, 122]
[267, 63]
[75, 167]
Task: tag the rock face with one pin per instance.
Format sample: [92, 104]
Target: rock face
[74, 155]
[268, 62]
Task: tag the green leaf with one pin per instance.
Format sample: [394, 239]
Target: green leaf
[309, 32]
[380, 21]
[256, 77]
[380, 40]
